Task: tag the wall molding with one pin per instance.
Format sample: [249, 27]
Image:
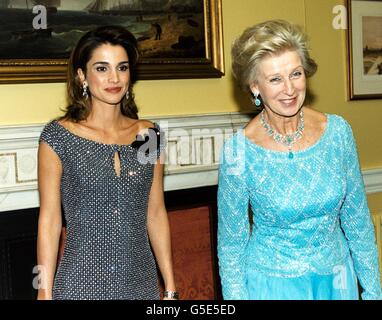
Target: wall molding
[373, 180]
[194, 144]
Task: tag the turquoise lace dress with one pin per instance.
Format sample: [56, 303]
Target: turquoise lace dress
[312, 236]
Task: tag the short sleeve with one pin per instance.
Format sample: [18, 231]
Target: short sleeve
[50, 136]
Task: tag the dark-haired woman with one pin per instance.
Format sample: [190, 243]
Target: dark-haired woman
[103, 165]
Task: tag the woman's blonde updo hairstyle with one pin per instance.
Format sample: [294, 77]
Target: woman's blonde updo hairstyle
[263, 40]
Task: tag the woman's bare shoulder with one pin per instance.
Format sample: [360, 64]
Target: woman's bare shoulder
[145, 124]
[252, 130]
[313, 114]
[315, 120]
[67, 123]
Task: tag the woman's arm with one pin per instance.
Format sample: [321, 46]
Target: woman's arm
[50, 222]
[233, 222]
[357, 224]
[159, 229]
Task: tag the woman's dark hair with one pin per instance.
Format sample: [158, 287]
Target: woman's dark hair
[79, 107]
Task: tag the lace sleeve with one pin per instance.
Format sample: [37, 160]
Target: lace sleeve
[233, 223]
[357, 224]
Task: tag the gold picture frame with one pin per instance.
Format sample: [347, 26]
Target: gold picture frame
[210, 64]
[364, 49]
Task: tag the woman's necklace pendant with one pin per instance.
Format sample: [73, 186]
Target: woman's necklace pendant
[286, 140]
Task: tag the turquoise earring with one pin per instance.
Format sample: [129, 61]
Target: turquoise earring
[256, 100]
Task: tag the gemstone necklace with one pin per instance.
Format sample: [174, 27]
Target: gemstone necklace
[287, 140]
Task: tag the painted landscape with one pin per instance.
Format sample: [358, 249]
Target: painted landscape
[165, 29]
[372, 45]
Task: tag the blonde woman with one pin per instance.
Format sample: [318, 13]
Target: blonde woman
[297, 169]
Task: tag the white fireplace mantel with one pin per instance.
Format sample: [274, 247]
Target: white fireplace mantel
[193, 147]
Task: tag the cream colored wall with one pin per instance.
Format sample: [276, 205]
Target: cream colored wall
[330, 82]
[330, 85]
[37, 103]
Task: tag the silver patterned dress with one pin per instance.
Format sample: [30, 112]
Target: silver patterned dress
[107, 254]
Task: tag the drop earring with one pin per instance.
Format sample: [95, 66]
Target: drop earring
[85, 90]
[256, 99]
[127, 94]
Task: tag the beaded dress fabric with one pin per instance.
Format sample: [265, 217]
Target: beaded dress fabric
[107, 253]
[312, 235]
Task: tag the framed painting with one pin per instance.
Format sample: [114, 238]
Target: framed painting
[365, 49]
[177, 38]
